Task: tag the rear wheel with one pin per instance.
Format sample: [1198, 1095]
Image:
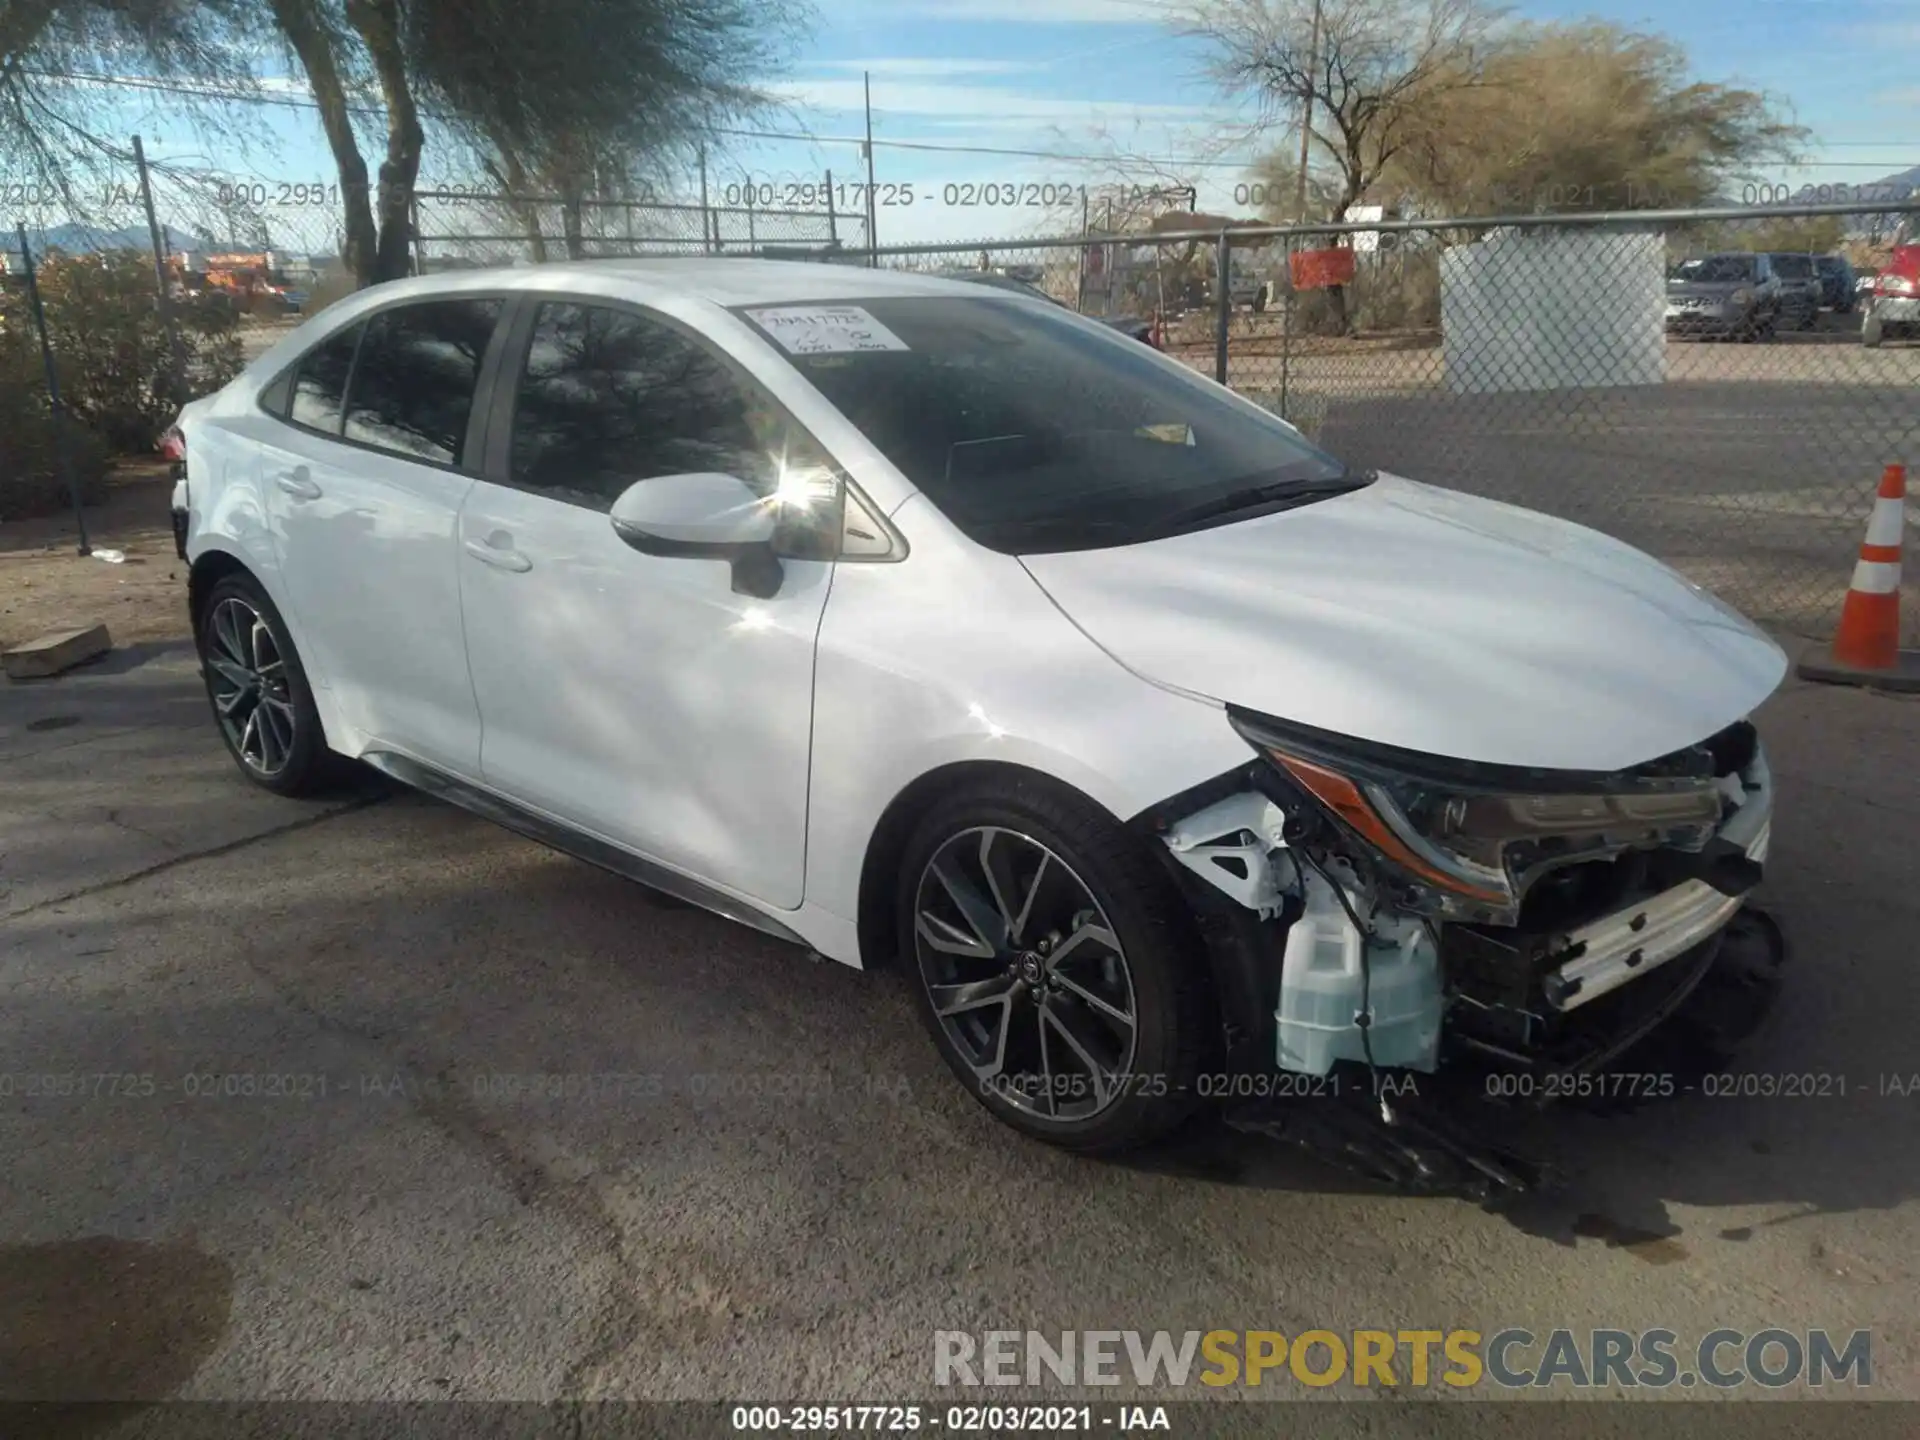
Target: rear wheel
[1871, 333]
[1055, 967]
[259, 692]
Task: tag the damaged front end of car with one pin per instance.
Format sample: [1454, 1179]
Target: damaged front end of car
[1423, 926]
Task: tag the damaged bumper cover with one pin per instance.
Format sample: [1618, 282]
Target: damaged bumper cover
[1391, 902]
[1606, 953]
[1431, 919]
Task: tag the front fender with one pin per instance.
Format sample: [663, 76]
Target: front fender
[956, 656]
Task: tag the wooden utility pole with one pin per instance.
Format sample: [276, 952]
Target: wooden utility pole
[1306, 117]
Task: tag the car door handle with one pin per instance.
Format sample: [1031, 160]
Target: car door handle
[501, 557]
[298, 482]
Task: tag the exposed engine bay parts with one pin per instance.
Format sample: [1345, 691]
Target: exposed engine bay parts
[1421, 914]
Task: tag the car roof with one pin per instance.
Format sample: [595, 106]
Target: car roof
[719, 279]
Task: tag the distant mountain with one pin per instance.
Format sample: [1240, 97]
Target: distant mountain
[77, 239]
[1902, 184]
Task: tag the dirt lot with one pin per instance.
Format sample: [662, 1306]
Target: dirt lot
[45, 585]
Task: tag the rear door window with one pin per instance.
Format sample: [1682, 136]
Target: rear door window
[320, 382]
[414, 382]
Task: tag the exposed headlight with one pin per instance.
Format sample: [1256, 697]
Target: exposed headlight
[1470, 837]
[1742, 296]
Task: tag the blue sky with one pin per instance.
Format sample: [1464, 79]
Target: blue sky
[1108, 79]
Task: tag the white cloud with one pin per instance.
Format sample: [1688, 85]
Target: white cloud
[904, 65]
[982, 102]
[1044, 12]
[1910, 96]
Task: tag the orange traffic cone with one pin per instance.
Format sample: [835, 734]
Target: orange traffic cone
[1866, 649]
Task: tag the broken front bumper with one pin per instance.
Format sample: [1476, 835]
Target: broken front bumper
[1607, 953]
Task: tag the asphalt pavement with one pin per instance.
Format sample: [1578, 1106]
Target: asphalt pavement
[337, 1153]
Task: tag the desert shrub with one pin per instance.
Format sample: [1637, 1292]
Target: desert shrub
[31, 482]
[116, 366]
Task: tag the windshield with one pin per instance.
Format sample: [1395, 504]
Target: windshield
[1033, 431]
[1715, 269]
[1793, 267]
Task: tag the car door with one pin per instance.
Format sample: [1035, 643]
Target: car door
[640, 698]
[364, 482]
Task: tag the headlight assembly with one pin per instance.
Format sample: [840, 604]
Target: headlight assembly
[1469, 838]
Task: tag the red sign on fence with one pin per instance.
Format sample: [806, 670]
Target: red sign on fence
[1318, 269]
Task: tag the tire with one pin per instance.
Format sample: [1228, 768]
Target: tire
[1064, 867]
[257, 687]
[1871, 333]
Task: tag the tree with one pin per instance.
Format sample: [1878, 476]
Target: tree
[1586, 116]
[536, 88]
[1360, 75]
[46, 118]
[564, 88]
[1367, 69]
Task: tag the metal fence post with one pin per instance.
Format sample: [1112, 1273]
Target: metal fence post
[1080, 279]
[707, 228]
[413, 234]
[164, 300]
[833, 233]
[1223, 308]
[1286, 327]
[64, 460]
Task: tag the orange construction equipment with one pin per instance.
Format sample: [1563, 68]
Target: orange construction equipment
[1866, 649]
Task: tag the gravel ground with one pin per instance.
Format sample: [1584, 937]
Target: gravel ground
[785, 1196]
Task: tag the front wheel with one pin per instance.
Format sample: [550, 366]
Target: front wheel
[1054, 965]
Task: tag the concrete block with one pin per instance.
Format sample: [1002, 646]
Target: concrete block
[60, 650]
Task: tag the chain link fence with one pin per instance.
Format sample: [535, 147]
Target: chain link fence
[462, 227]
[1695, 383]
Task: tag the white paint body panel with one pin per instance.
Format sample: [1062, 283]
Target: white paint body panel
[368, 563]
[755, 744]
[639, 697]
[1431, 620]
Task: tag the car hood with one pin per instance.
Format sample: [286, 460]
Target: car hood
[1434, 621]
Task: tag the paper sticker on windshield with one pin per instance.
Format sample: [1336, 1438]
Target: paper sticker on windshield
[825, 329]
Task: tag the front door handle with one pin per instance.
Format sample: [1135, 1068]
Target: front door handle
[298, 482]
[497, 550]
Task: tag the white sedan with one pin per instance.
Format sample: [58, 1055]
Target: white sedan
[914, 622]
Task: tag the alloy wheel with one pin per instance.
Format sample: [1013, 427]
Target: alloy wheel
[1027, 977]
[247, 677]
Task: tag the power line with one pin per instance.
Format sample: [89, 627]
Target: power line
[208, 92]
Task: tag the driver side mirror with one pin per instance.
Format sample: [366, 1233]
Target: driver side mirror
[703, 517]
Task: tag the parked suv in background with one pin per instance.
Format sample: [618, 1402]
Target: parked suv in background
[1800, 289]
[1893, 310]
[1836, 283]
[1731, 295]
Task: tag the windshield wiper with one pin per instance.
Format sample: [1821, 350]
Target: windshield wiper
[1276, 494]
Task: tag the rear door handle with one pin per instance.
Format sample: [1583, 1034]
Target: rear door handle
[298, 482]
[502, 556]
